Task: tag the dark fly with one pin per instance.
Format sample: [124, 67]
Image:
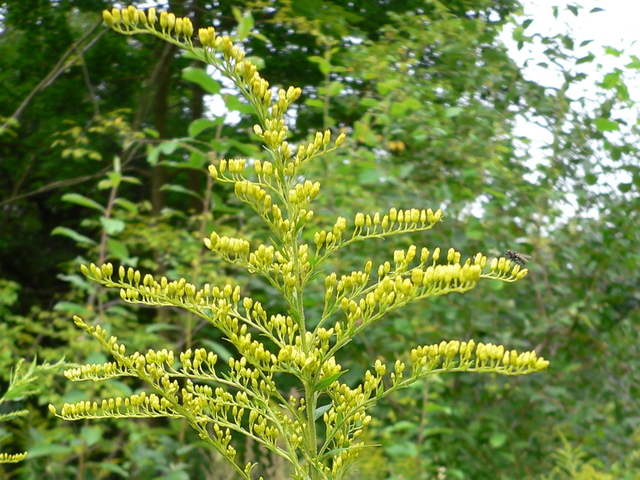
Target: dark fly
[519, 258]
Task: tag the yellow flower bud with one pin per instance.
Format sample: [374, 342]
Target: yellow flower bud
[108, 19]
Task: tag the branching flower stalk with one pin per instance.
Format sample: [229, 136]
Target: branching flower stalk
[243, 396]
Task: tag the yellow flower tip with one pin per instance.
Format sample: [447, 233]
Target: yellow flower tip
[542, 364]
[187, 27]
[171, 21]
[522, 273]
[151, 16]
[133, 14]
[341, 138]
[108, 18]
[163, 20]
[115, 13]
[53, 410]
[143, 17]
[179, 26]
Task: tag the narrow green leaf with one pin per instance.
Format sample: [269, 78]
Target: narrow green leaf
[48, 450]
[328, 381]
[320, 410]
[245, 25]
[72, 234]
[180, 189]
[586, 59]
[82, 200]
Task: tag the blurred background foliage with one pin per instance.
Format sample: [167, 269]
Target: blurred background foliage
[104, 146]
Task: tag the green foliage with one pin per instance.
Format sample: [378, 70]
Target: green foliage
[246, 396]
[24, 383]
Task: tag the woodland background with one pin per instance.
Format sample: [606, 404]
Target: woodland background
[429, 97]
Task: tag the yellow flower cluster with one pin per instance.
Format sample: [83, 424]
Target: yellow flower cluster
[459, 356]
[12, 457]
[129, 19]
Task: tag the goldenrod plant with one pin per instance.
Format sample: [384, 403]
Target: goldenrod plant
[316, 431]
[22, 384]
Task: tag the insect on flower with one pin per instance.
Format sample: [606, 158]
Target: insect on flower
[519, 258]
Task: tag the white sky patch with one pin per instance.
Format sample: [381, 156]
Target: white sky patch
[615, 26]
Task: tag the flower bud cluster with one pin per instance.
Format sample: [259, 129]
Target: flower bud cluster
[138, 405]
[347, 417]
[348, 285]
[395, 289]
[12, 457]
[332, 239]
[275, 134]
[284, 328]
[396, 221]
[96, 372]
[506, 270]
[148, 291]
[253, 351]
[134, 20]
[319, 145]
[459, 356]
[233, 250]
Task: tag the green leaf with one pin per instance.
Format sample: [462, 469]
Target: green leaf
[48, 450]
[72, 234]
[451, 112]
[117, 469]
[635, 63]
[625, 187]
[118, 250]
[112, 226]
[322, 385]
[202, 78]
[586, 59]
[526, 23]
[612, 51]
[320, 410]
[314, 102]
[498, 439]
[371, 176]
[71, 308]
[245, 25]
[217, 348]
[82, 200]
[233, 103]
[610, 80]
[127, 205]
[202, 124]
[91, 435]
[166, 148]
[180, 189]
[596, 10]
[78, 280]
[606, 125]
[335, 88]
